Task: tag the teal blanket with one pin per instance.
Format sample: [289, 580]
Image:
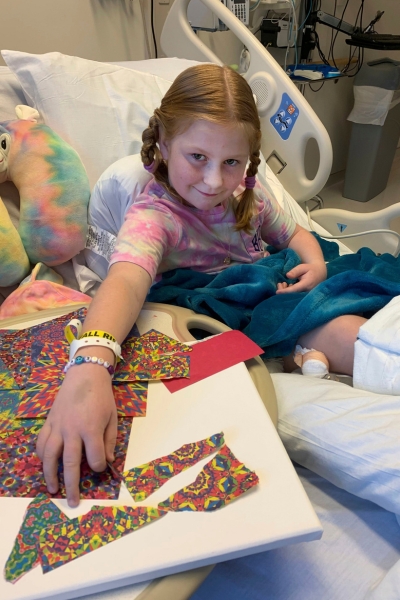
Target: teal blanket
[243, 296]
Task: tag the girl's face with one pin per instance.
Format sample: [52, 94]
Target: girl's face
[206, 163]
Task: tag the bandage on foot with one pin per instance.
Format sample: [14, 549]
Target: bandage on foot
[313, 363]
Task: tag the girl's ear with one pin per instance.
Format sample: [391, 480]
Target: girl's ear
[164, 144]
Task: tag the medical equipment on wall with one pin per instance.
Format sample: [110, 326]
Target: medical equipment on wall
[202, 18]
[287, 120]
[240, 9]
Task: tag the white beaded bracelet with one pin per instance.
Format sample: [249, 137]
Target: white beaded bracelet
[80, 360]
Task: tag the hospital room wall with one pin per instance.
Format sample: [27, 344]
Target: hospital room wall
[104, 30]
[112, 30]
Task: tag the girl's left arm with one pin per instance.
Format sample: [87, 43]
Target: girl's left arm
[312, 270]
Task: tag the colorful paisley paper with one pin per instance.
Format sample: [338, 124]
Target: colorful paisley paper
[221, 480]
[61, 543]
[145, 479]
[41, 513]
[7, 381]
[21, 473]
[153, 355]
[37, 400]
[15, 352]
[131, 398]
[19, 349]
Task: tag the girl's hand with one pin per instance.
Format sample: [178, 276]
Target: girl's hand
[83, 414]
[309, 274]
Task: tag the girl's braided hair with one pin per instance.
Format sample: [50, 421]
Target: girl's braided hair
[212, 93]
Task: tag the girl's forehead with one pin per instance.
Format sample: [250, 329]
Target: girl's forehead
[202, 130]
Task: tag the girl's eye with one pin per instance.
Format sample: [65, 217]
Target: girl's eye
[198, 156]
[231, 162]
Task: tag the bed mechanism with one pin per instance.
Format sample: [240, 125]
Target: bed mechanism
[288, 122]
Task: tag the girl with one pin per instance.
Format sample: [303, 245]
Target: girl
[198, 211]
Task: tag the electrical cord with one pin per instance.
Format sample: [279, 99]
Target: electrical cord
[146, 37]
[255, 6]
[152, 29]
[352, 235]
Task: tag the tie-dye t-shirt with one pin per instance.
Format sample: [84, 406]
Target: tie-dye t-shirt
[160, 234]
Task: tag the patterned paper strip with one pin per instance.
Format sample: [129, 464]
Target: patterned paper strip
[20, 348]
[21, 473]
[38, 399]
[61, 543]
[9, 402]
[41, 513]
[16, 354]
[52, 354]
[223, 479]
[153, 355]
[145, 479]
[7, 381]
[131, 398]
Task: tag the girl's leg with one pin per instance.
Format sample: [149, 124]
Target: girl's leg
[336, 340]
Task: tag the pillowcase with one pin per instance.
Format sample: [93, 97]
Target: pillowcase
[11, 94]
[348, 436]
[100, 109]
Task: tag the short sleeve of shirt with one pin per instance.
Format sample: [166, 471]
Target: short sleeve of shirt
[277, 225]
[148, 233]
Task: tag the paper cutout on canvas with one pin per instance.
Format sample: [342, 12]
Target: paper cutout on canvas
[17, 347]
[131, 398]
[216, 354]
[52, 355]
[21, 472]
[40, 514]
[16, 355]
[9, 402]
[37, 400]
[223, 479]
[153, 355]
[61, 543]
[143, 480]
[7, 381]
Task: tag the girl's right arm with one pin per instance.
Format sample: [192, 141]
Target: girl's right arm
[84, 412]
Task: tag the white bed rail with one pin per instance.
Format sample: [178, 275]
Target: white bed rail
[287, 120]
[372, 229]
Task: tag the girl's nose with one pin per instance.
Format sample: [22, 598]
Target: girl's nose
[213, 177]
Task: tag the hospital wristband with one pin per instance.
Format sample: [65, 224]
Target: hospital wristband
[98, 333]
[80, 360]
[77, 325]
[94, 341]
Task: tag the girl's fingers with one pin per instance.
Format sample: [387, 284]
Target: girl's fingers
[110, 437]
[50, 453]
[72, 469]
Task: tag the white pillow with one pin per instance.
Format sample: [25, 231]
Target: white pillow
[100, 109]
[11, 94]
[348, 436]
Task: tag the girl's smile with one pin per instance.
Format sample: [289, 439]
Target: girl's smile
[206, 162]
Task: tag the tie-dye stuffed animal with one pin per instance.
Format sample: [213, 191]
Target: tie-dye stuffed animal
[54, 195]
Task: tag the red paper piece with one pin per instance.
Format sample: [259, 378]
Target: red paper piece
[215, 355]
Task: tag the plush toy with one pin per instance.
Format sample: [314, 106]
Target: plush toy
[54, 196]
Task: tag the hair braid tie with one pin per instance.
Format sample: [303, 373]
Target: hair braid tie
[250, 182]
[149, 168]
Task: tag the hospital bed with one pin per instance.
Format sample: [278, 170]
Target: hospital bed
[344, 442]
